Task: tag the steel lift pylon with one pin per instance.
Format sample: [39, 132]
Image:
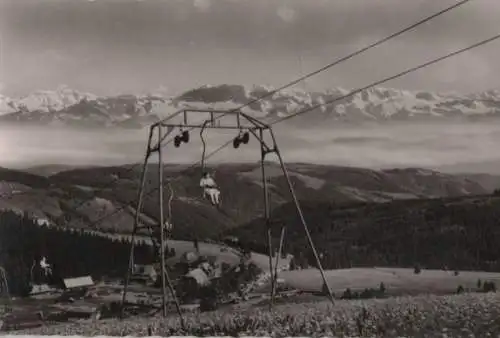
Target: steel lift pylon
[212, 119]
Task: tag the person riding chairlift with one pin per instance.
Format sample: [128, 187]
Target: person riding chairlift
[210, 189]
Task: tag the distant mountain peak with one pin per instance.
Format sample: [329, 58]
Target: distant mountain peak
[50, 100]
[68, 106]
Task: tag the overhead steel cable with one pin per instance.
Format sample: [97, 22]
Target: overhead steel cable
[387, 79]
[330, 65]
[345, 58]
[376, 83]
[337, 62]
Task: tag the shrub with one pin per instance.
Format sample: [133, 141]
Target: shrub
[348, 294]
[208, 298]
[489, 287]
[382, 289]
[367, 293]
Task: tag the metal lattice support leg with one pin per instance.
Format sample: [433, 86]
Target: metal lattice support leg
[266, 215]
[4, 287]
[162, 228]
[278, 255]
[302, 219]
[274, 149]
[165, 278]
[140, 198]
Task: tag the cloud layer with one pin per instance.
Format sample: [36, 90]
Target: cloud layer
[392, 145]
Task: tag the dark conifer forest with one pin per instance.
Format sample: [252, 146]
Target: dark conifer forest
[71, 253]
[455, 233]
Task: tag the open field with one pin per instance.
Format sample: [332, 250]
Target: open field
[223, 252]
[467, 315]
[396, 280]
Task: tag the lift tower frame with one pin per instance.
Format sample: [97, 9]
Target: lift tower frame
[4, 291]
[238, 121]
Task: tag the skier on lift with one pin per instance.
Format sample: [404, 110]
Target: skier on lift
[210, 189]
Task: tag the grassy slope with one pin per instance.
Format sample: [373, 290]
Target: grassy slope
[107, 189]
[396, 280]
[30, 180]
[469, 315]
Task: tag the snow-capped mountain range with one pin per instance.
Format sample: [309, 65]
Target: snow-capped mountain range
[65, 106]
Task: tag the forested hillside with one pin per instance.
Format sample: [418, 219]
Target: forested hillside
[71, 254]
[458, 233]
[103, 198]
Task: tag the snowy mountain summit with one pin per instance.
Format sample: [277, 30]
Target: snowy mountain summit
[65, 106]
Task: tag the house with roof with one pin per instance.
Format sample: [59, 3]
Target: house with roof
[192, 282]
[198, 276]
[76, 288]
[78, 283]
[145, 273]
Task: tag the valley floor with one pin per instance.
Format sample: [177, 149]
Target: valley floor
[466, 315]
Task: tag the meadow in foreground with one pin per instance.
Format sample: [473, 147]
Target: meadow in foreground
[466, 315]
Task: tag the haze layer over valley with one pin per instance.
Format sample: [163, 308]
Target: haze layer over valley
[392, 144]
[379, 128]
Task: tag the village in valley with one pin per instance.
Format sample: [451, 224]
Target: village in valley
[204, 280]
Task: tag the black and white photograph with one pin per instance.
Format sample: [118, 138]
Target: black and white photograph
[269, 168]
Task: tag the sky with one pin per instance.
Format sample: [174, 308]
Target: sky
[108, 47]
